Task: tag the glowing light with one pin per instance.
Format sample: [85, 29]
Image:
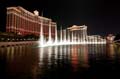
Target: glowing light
[74, 39]
[36, 13]
[69, 43]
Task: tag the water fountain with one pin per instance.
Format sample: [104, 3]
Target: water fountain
[67, 39]
[50, 36]
[41, 41]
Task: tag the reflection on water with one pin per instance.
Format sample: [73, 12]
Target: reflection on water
[59, 62]
[110, 51]
[18, 62]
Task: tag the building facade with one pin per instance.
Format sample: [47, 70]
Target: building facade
[77, 33]
[23, 22]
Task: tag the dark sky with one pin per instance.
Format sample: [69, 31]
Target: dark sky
[101, 16]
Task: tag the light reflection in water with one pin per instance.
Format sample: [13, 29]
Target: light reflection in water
[19, 62]
[110, 51]
[56, 52]
[79, 56]
[49, 55]
[41, 56]
[25, 62]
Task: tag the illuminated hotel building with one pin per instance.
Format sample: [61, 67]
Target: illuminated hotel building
[23, 22]
[77, 33]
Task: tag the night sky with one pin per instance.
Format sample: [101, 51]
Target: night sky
[101, 16]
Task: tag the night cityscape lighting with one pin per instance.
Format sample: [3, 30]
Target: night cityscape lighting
[59, 39]
[71, 35]
[23, 22]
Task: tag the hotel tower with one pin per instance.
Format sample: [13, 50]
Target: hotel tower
[23, 22]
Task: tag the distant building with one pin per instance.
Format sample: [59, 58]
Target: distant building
[78, 33]
[95, 38]
[110, 38]
[23, 22]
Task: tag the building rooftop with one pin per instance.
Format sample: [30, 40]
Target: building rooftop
[75, 27]
[35, 13]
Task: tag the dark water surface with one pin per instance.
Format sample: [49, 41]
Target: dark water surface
[60, 62]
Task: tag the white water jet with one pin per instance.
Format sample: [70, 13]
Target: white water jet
[61, 35]
[64, 35]
[56, 37]
[50, 36]
[41, 41]
[68, 38]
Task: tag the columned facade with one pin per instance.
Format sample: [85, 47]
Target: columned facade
[77, 33]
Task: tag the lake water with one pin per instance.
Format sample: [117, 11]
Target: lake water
[60, 62]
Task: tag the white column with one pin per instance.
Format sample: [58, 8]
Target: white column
[68, 36]
[80, 36]
[84, 35]
[64, 35]
[50, 39]
[61, 35]
[75, 37]
[56, 34]
[72, 37]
